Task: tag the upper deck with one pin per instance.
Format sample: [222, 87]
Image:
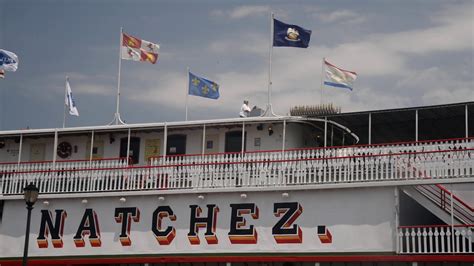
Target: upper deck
[269, 153]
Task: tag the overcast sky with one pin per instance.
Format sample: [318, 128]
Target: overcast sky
[406, 53]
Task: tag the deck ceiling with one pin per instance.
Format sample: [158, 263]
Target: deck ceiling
[434, 122]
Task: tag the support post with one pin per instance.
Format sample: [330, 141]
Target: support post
[165, 139]
[243, 138]
[92, 146]
[128, 147]
[332, 135]
[467, 121]
[416, 125]
[325, 131]
[370, 128]
[283, 145]
[20, 148]
[55, 147]
[397, 219]
[203, 139]
[452, 218]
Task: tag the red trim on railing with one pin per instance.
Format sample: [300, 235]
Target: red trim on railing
[242, 258]
[441, 196]
[241, 162]
[314, 148]
[456, 197]
[434, 225]
[65, 161]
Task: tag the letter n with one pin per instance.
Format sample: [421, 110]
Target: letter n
[47, 227]
[208, 222]
[89, 226]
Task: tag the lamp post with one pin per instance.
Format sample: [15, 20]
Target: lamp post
[30, 193]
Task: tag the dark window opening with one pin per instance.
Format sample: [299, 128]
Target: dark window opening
[134, 153]
[176, 144]
[233, 141]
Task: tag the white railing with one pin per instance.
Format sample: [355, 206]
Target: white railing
[302, 154]
[255, 170]
[435, 239]
[62, 165]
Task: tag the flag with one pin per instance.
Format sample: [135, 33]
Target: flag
[8, 61]
[139, 50]
[69, 101]
[338, 77]
[202, 87]
[2, 74]
[290, 35]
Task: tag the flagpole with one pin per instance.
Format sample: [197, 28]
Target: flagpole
[65, 97]
[269, 98]
[186, 91]
[117, 118]
[322, 77]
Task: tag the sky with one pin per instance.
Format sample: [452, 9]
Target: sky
[406, 54]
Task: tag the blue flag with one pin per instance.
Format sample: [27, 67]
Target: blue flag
[202, 87]
[290, 35]
[8, 61]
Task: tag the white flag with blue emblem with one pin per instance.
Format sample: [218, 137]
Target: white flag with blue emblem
[8, 60]
[70, 101]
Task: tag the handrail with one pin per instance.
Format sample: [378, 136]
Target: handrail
[465, 204]
[315, 148]
[64, 161]
[435, 225]
[272, 170]
[130, 167]
[438, 199]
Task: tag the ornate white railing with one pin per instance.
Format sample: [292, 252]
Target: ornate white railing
[311, 153]
[253, 170]
[62, 165]
[435, 239]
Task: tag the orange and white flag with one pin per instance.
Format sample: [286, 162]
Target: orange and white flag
[139, 50]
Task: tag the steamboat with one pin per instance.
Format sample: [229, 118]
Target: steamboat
[382, 187]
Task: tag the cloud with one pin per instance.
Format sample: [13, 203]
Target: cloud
[254, 44]
[246, 11]
[340, 16]
[242, 12]
[435, 86]
[452, 32]
[92, 84]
